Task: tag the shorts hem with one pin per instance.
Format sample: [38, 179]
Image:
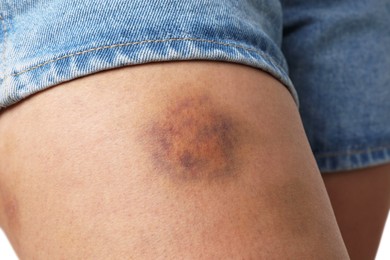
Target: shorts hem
[34, 78]
[353, 160]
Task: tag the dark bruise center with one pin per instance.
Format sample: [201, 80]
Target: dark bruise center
[193, 139]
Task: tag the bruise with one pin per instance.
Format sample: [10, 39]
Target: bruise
[191, 139]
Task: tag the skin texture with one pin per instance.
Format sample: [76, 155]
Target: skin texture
[361, 202]
[181, 160]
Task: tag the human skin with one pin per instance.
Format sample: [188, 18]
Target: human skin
[179, 160]
[361, 201]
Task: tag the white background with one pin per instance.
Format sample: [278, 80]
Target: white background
[6, 252]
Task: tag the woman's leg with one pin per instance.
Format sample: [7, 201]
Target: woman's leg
[360, 200]
[181, 160]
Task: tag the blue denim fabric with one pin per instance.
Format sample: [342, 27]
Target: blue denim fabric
[48, 42]
[339, 60]
[336, 51]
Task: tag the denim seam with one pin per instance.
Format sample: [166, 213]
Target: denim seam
[149, 41]
[334, 154]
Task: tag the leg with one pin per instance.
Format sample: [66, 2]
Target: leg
[182, 160]
[361, 201]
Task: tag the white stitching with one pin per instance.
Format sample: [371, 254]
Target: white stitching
[147, 41]
[353, 152]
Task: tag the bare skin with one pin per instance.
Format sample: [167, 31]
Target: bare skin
[182, 160]
[361, 201]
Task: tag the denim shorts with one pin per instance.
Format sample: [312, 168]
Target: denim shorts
[337, 52]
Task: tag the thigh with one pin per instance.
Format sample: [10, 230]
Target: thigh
[361, 201]
[182, 160]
